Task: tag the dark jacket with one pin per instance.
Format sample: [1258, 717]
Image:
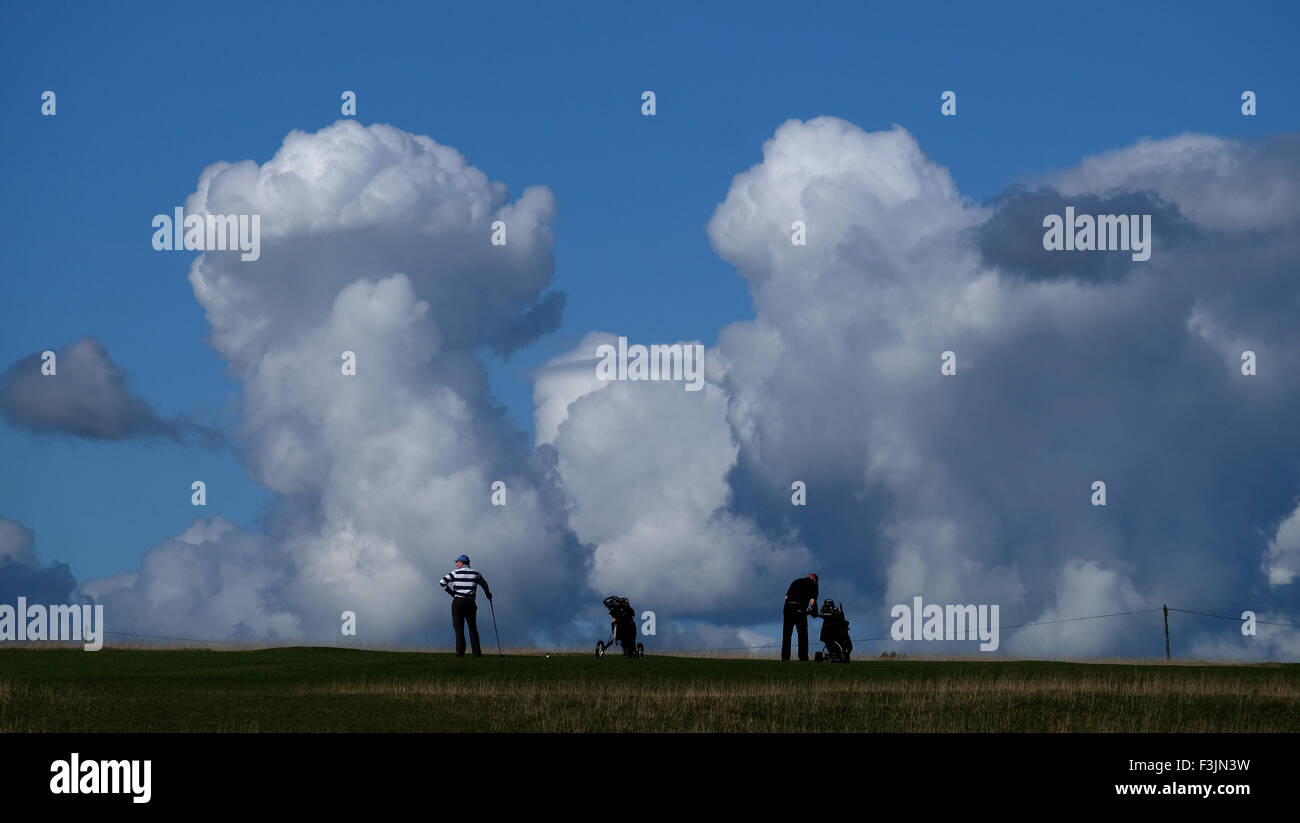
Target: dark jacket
[801, 591]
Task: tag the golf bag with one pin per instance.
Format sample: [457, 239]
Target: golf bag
[622, 628]
[835, 635]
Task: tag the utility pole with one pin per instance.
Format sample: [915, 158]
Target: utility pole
[1166, 632]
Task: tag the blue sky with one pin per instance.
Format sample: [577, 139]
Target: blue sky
[150, 94]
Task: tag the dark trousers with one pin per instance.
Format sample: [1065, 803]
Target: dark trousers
[796, 616]
[464, 610]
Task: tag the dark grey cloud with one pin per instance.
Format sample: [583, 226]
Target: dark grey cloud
[1012, 239]
[21, 576]
[530, 323]
[88, 396]
[39, 584]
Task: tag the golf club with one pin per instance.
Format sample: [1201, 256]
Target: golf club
[494, 627]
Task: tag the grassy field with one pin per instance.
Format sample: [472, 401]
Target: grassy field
[324, 689]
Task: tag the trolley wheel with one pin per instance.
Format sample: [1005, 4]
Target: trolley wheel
[640, 650]
[600, 649]
[817, 657]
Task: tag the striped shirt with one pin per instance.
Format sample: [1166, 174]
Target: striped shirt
[464, 582]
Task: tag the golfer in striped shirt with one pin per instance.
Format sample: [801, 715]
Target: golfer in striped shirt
[462, 585]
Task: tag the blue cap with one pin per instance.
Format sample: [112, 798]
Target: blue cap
[464, 558]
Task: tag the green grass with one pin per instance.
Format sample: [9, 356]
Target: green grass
[325, 689]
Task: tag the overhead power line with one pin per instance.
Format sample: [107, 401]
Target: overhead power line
[1012, 627]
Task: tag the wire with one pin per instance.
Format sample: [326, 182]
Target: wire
[890, 637]
[1024, 626]
[1235, 619]
[776, 645]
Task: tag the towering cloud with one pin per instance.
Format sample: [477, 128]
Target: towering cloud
[976, 487]
[376, 243]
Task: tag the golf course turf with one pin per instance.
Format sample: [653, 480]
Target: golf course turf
[348, 690]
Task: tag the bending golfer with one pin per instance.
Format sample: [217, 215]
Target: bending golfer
[800, 600]
[462, 585]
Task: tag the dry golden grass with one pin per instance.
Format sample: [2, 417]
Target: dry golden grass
[945, 704]
[321, 689]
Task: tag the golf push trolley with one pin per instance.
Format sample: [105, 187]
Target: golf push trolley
[834, 635]
[622, 629]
